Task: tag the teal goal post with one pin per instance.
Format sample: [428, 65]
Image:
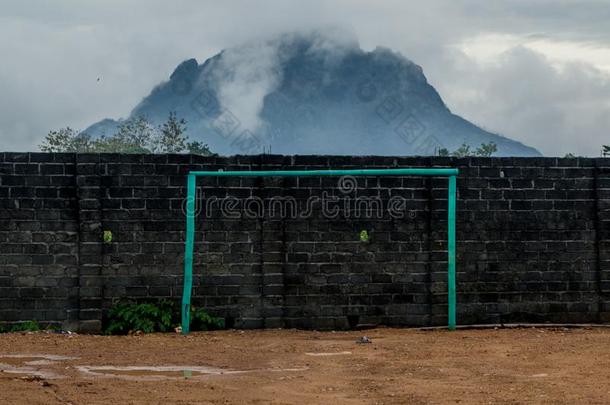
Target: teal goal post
[450, 173]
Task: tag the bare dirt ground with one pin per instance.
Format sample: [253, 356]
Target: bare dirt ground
[400, 366]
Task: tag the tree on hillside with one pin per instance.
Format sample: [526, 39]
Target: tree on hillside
[462, 151]
[171, 135]
[66, 140]
[136, 135]
[198, 148]
[605, 150]
[485, 150]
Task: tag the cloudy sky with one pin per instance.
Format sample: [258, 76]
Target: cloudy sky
[535, 70]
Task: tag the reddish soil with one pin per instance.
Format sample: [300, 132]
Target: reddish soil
[400, 366]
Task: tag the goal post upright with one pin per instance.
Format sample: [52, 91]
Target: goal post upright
[451, 293]
[188, 252]
[450, 173]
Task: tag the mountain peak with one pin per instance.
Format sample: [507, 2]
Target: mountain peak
[312, 93]
[185, 69]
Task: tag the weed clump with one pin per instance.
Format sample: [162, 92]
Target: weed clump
[163, 316]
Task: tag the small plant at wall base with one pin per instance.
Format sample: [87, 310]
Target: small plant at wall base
[125, 317]
[27, 326]
[201, 320]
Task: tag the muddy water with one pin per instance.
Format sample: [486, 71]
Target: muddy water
[42, 366]
[30, 364]
[325, 354]
[152, 373]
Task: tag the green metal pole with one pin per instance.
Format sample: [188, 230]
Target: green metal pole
[451, 253]
[336, 172]
[188, 253]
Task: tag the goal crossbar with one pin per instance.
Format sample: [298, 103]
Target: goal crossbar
[450, 173]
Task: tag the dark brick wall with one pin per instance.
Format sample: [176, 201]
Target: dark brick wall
[39, 268]
[533, 240]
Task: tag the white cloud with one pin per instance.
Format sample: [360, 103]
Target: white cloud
[247, 74]
[522, 94]
[488, 47]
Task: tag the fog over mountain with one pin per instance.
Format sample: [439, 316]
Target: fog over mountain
[311, 93]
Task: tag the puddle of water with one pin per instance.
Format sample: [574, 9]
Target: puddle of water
[29, 365]
[26, 364]
[40, 362]
[29, 371]
[151, 373]
[51, 357]
[328, 354]
[14, 361]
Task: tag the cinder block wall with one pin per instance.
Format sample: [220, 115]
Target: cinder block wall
[533, 240]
